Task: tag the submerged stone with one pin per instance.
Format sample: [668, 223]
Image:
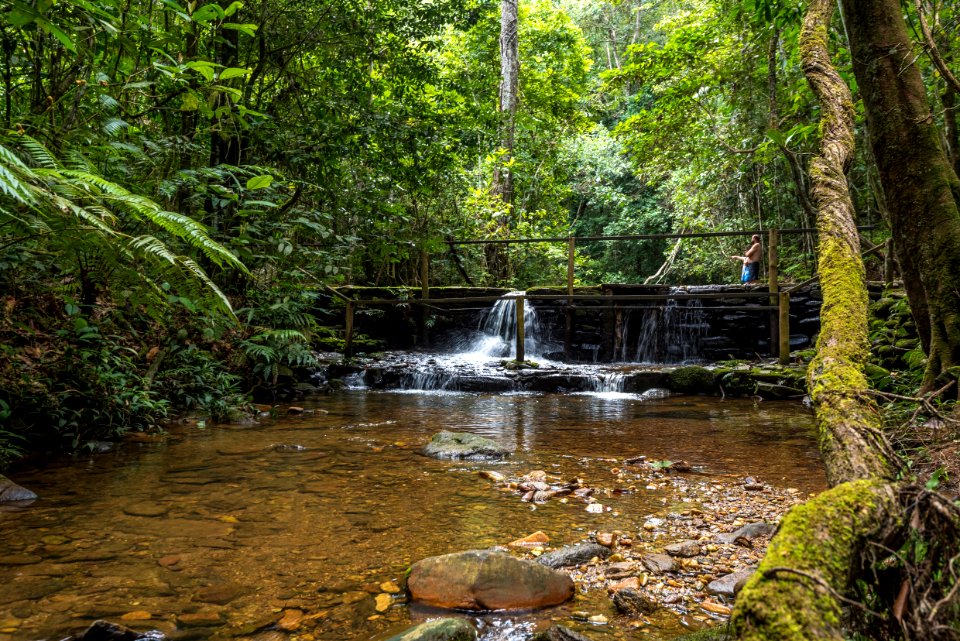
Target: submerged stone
[438, 630]
[633, 602]
[486, 580]
[574, 555]
[559, 633]
[10, 491]
[461, 445]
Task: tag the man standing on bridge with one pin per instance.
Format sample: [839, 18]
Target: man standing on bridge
[751, 261]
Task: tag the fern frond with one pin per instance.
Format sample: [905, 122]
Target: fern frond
[39, 154]
[151, 246]
[197, 272]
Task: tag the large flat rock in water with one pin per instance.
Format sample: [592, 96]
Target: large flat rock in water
[461, 445]
[486, 580]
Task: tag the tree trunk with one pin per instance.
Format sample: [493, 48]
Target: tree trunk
[921, 186]
[509, 90]
[819, 543]
[507, 106]
[951, 129]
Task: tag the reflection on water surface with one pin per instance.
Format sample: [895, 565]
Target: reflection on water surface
[221, 532]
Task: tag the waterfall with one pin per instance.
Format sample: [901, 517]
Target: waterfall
[673, 333]
[608, 382]
[498, 329]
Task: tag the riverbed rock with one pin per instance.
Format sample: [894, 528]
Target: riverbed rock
[107, 631]
[658, 563]
[749, 532]
[10, 491]
[537, 539]
[438, 630]
[633, 602]
[461, 445]
[574, 555]
[486, 580]
[729, 584]
[684, 549]
[559, 633]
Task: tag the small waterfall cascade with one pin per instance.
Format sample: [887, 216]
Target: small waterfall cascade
[499, 330]
[608, 382]
[671, 334]
[427, 378]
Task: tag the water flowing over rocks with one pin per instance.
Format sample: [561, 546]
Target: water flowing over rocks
[11, 492]
[486, 580]
[460, 445]
[438, 630]
[107, 631]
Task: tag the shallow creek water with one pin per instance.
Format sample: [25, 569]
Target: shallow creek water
[216, 531]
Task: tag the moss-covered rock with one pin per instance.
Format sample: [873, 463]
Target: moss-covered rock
[692, 379]
[448, 629]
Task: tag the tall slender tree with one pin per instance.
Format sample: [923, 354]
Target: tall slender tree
[509, 97]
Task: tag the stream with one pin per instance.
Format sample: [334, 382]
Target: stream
[226, 531]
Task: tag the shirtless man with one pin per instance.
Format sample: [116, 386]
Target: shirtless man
[751, 261]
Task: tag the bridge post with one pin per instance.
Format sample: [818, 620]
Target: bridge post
[888, 262]
[348, 331]
[424, 295]
[521, 356]
[773, 278]
[784, 311]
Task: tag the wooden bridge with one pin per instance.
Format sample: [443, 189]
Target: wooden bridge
[777, 298]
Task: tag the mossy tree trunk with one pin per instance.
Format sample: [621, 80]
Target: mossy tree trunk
[811, 560]
[922, 189]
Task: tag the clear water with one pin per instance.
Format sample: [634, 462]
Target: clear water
[217, 532]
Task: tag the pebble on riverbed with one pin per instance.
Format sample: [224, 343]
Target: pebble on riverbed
[693, 560]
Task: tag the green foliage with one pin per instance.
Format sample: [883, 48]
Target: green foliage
[193, 379]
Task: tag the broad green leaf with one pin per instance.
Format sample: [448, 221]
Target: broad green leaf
[260, 182]
[205, 69]
[207, 12]
[56, 32]
[235, 6]
[233, 72]
[246, 28]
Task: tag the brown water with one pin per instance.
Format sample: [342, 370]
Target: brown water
[217, 530]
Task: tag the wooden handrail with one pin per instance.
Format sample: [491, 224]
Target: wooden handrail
[566, 239]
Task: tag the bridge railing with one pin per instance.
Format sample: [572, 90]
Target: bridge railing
[778, 305]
